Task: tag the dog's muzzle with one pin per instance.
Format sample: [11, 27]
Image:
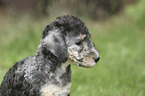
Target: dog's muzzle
[96, 55]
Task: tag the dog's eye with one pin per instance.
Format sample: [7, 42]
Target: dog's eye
[79, 42]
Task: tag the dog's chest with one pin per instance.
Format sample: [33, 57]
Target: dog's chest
[54, 90]
[60, 84]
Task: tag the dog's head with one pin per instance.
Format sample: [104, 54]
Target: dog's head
[83, 51]
[68, 38]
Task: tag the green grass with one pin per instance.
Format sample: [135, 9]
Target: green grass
[120, 41]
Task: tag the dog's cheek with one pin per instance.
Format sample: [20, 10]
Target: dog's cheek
[72, 54]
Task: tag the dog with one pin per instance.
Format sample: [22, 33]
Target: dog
[66, 40]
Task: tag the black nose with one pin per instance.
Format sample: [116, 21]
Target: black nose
[97, 59]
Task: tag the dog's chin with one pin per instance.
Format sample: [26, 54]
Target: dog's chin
[87, 62]
[86, 65]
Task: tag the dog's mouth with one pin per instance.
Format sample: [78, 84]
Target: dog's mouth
[87, 61]
[80, 59]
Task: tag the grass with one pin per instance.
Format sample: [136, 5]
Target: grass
[120, 41]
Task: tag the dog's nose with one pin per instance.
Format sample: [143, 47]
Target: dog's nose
[96, 59]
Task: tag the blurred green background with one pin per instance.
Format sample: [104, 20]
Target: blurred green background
[118, 31]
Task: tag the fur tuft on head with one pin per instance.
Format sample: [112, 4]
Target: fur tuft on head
[68, 23]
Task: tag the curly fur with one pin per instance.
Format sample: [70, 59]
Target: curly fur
[48, 73]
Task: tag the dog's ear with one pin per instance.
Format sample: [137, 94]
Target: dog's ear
[54, 41]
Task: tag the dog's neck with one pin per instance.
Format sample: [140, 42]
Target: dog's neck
[47, 55]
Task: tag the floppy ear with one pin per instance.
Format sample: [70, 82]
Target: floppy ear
[54, 41]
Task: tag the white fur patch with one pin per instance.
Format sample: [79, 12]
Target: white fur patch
[54, 90]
